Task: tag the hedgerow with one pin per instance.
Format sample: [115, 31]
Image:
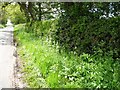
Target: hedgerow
[45, 65]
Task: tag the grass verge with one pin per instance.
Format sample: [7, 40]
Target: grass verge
[45, 67]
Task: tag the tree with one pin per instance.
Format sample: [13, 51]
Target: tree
[36, 11]
[83, 26]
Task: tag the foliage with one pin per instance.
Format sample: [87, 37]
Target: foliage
[44, 66]
[15, 14]
[81, 51]
[2, 21]
[86, 31]
[37, 11]
[40, 29]
[1, 26]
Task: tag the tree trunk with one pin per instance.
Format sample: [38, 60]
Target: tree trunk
[30, 7]
[23, 8]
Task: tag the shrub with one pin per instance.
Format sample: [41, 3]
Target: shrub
[1, 26]
[44, 66]
[85, 37]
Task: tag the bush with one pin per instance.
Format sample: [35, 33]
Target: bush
[44, 66]
[15, 15]
[85, 36]
[1, 26]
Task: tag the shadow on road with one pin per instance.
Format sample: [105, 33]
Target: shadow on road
[6, 36]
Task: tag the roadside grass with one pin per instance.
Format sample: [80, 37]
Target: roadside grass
[1, 26]
[45, 67]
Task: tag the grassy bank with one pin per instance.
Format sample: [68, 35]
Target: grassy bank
[1, 26]
[44, 66]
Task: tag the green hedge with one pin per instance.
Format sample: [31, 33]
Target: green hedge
[44, 66]
[89, 36]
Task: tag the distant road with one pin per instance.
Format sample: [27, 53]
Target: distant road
[6, 36]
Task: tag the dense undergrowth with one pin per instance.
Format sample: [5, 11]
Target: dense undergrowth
[1, 26]
[45, 66]
[86, 35]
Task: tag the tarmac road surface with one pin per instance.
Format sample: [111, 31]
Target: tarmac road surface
[7, 59]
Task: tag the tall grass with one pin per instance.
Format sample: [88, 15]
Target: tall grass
[45, 67]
